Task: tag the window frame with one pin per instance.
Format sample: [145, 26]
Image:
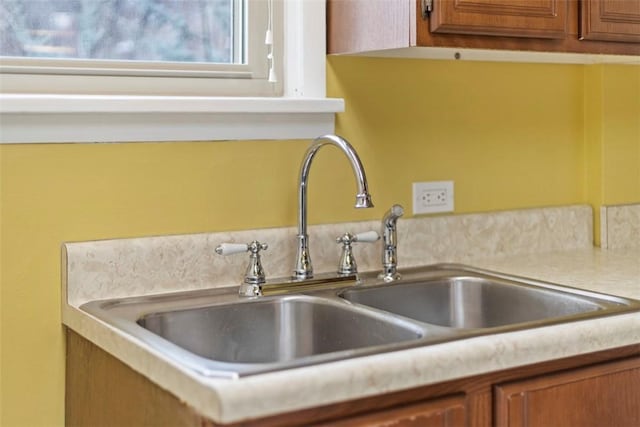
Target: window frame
[301, 109]
[82, 76]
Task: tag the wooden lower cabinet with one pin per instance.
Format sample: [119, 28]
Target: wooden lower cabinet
[443, 412]
[598, 389]
[606, 394]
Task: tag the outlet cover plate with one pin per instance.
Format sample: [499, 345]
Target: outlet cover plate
[432, 197]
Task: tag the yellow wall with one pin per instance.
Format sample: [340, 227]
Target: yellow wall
[509, 135]
[612, 135]
[56, 193]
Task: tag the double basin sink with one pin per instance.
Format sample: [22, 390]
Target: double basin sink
[217, 333]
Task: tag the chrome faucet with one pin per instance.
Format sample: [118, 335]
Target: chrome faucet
[303, 267]
[390, 244]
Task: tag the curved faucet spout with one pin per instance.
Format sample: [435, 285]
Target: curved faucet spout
[304, 268]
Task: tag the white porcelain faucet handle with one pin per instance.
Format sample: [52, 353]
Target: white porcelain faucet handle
[367, 237]
[231, 248]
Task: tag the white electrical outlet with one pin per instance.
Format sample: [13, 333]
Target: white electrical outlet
[432, 197]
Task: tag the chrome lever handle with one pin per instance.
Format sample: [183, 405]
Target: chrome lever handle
[347, 264]
[254, 275]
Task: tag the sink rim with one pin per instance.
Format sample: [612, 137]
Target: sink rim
[122, 313]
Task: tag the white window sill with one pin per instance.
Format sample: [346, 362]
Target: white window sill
[92, 118]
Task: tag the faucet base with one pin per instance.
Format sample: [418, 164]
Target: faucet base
[322, 281]
[389, 277]
[304, 268]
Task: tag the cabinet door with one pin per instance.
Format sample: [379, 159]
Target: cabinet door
[610, 20]
[602, 395]
[444, 412]
[515, 18]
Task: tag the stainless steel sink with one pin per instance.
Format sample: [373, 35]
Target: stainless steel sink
[217, 333]
[475, 302]
[277, 330]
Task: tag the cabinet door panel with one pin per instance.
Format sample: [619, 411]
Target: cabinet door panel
[515, 18]
[610, 20]
[445, 412]
[601, 395]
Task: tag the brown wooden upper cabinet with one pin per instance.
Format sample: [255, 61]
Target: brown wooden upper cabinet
[610, 20]
[581, 26]
[511, 18]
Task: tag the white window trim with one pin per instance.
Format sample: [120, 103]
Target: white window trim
[303, 112]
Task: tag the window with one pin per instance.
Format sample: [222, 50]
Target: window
[137, 30]
[46, 98]
[179, 47]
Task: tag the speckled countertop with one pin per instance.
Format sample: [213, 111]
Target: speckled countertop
[615, 272]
